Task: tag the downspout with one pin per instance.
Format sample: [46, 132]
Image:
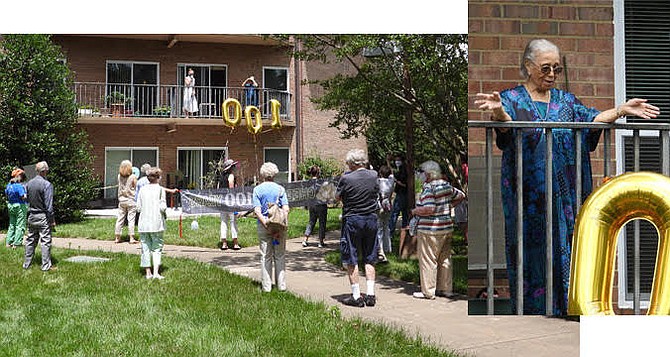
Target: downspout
[298, 106]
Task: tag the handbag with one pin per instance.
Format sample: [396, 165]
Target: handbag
[277, 217]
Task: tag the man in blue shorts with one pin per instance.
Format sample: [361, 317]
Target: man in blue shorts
[359, 190]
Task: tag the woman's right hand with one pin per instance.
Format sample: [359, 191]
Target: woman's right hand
[493, 103]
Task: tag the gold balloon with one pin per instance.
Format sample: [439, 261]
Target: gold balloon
[252, 111]
[274, 107]
[237, 109]
[643, 195]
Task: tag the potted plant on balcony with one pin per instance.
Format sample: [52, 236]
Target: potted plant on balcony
[88, 110]
[117, 102]
[162, 111]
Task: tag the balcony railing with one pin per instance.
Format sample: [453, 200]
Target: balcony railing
[664, 135]
[166, 101]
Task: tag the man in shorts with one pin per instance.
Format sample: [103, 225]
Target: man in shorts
[359, 190]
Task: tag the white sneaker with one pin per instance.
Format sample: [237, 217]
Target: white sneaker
[158, 276]
[148, 276]
[420, 295]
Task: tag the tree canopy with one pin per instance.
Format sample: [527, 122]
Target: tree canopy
[393, 74]
[38, 120]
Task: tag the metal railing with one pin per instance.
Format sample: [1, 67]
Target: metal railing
[155, 101]
[662, 128]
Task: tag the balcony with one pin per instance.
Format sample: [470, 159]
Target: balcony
[104, 103]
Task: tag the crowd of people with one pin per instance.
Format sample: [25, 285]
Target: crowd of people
[368, 211]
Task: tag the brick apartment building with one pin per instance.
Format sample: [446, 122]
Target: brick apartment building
[612, 51]
[129, 88]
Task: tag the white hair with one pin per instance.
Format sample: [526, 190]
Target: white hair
[532, 49]
[432, 168]
[268, 170]
[356, 157]
[144, 168]
[42, 166]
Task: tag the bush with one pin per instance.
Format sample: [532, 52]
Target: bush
[329, 167]
[38, 117]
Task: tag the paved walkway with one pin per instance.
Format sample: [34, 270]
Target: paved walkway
[442, 321]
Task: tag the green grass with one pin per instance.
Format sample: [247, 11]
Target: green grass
[408, 269]
[206, 236]
[109, 309]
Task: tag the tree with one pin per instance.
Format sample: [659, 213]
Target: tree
[420, 80]
[38, 121]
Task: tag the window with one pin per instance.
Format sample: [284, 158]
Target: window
[211, 81]
[281, 158]
[641, 47]
[113, 158]
[193, 165]
[133, 84]
[275, 86]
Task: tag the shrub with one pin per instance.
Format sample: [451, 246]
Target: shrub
[329, 167]
[38, 117]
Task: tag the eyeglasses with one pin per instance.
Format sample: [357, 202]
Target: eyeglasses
[546, 69]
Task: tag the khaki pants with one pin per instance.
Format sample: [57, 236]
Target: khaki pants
[434, 250]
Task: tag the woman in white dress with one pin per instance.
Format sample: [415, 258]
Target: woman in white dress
[190, 102]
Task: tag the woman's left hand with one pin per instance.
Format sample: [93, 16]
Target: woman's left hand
[640, 108]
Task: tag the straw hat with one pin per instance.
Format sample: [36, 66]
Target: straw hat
[228, 164]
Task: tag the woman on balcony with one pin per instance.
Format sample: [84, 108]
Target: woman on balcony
[250, 91]
[190, 102]
[537, 99]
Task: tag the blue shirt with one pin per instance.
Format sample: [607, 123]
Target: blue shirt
[267, 192]
[15, 192]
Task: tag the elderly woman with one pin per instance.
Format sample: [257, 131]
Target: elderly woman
[152, 204]
[272, 242]
[17, 205]
[537, 99]
[126, 195]
[434, 231]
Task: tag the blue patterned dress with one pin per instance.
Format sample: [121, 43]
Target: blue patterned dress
[563, 107]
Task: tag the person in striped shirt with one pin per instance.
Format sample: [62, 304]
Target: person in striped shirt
[434, 231]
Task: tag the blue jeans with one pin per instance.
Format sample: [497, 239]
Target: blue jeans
[399, 206]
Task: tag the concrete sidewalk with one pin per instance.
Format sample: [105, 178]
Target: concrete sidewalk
[442, 321]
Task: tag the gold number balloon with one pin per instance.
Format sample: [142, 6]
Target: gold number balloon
[630, 196]
[237, 110]
[251, 112]
[274, 107]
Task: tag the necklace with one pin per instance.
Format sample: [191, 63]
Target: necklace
[537, 110]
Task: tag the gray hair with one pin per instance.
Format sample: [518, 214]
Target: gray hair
[144, 168]
[356, 157]
[432, 168]
[42, 166]
[532, 49]
[268, 170]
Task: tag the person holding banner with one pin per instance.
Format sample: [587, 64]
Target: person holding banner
[228, 180]
[272, 244]
[152, 204]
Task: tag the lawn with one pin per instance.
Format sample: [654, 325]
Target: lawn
[206, 236]
[108, 309]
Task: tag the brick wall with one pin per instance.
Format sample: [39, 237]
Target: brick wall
[498, 33]
[242, 146]
[319, 138]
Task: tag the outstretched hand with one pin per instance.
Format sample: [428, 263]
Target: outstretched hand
[489, 101]
[493, 103]
[640, 108]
